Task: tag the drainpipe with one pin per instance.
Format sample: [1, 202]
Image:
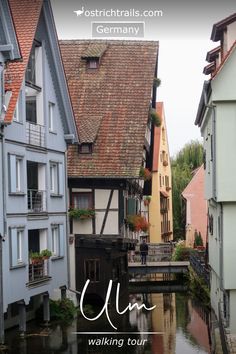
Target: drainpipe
[2, 157]
[221, 265]
[2, 140]
[214, 150]
[67, 220]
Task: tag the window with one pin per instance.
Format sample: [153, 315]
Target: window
[163, 135]
[56, 178]
[92, 270]
[211, 224]
[86, 148]
[33, 76]
[93, 63]
[16, 246]
[15, 174]
[160, 180]
[51, 107]
[19, 245]
[82, 200]
[58, 240]
[31, 109]
[30, 71]
[167, 181]
[18, 174]
[16, 113]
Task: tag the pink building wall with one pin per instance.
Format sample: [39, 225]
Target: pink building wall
[196, 207]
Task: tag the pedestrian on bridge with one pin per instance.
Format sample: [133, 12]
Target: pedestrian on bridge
[143, 252]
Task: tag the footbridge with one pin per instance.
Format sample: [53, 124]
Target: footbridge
[170, 267]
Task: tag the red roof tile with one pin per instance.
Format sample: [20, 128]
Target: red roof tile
[111, 105]
[25, 15]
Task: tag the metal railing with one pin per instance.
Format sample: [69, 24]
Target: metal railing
[36, 201]
[38, 271]
[35, 134]
[225, 343]
[200, 268]
[156, 252]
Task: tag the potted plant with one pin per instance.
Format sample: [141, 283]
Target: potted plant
[137, 223]
[147, 200]
[46, 254]
[81, 214]
[35, 258]
[155, 118]
[156, 82]
[145, 173]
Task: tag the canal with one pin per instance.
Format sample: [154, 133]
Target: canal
[178, 324]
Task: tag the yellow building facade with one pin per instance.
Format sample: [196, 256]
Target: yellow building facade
[160, 207]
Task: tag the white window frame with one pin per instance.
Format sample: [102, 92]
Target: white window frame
[17, 246]
[15, 174]
[51, 113]
[56, 178]
[20, 237]
[18, 174]
[57, 231]
[16, 117]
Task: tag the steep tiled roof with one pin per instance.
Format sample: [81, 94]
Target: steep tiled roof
[157, 139]
[25, 15]
[111, 105]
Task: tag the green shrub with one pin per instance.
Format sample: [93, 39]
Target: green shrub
[81, 213]
[155, 118]
[88, 311]
[62, 310]
[156, 82]
[182, 253]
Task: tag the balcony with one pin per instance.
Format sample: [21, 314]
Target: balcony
[36, 201]
[39, 271]
[35, 134]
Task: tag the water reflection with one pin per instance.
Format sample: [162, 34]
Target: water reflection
[181, 323]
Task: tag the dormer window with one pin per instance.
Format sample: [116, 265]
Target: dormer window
[85, 148]
[93, 55]
[92, 63]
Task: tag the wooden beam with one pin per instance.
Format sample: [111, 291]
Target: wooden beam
[106, 212]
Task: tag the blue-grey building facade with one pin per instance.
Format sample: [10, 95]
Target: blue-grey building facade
[34, 169]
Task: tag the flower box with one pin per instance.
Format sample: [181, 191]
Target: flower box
[137, 223]
[81, 214]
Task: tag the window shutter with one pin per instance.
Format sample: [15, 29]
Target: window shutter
[61, 179]
[131, 207]
[61, 240]
[13, 233]
[12, 171]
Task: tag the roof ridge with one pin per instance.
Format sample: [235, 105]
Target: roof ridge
[108, 41]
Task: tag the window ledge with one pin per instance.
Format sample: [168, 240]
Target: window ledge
[20, 265]
[22, 194]
[38, 282]
[18, 122]
[54, 195]
[52, 132]
[55, 258]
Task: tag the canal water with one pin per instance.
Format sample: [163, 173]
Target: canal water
[178, 325]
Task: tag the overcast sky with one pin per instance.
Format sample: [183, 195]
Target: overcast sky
[183, 32]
